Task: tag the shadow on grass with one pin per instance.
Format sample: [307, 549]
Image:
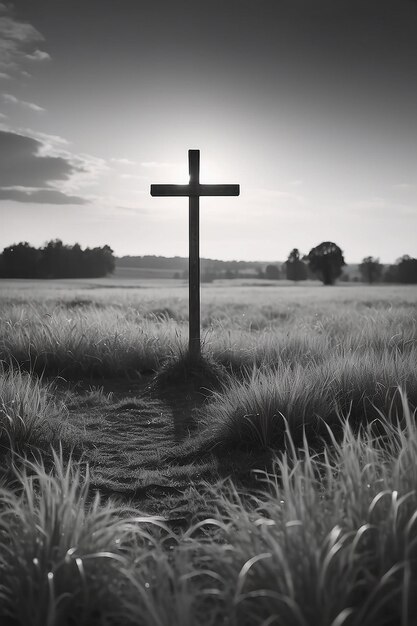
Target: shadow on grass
[184, 383]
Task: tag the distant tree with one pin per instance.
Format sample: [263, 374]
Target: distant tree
[77, 261]
[295, 268]
[108, 262]
[391, 274]
[326, 261]
[407, 270]
[20, 261]
[208, 271]
[310, 274]
[98, 261]
[272, 272]
[371, 269]
[404, 271]
[55, 260]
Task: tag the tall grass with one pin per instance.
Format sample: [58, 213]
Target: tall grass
[107, 340]
[330, 535]
[63, 555]
[84, 342]
[334, 541]
[255, 411]
[327, 539]
[30, 415]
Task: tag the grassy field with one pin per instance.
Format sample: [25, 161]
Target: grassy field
[274, 482]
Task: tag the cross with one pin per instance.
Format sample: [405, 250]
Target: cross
[194, 190]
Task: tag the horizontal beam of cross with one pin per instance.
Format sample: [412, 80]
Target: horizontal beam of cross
[195, 190]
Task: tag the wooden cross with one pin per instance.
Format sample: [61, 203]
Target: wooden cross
[194, 190]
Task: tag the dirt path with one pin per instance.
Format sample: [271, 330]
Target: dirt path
[140, 444]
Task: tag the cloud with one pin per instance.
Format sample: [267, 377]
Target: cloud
[27, 174]
[19, 42]
[123, 161]
[8, 97]
[49, 142]
[88, 169]
[41, 196]
[20, 163]
[31, 160]
[38, 55]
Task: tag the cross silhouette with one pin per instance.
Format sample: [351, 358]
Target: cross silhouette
[194, 190]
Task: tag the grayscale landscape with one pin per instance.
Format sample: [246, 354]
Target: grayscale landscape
[208, 417]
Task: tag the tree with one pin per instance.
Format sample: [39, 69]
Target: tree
[391, 274]
[272, 272]
[107, 260]
[98, 261]
[407, 270]
[404, 271]
[20, 261]
[326, 260]
[55, 260]
[370, 269]
[295, 267]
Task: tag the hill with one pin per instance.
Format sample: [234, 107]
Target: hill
[152, 266]
[177, 267]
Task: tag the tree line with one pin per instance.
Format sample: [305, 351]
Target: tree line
[214, 266]
[55, 260]
[326, 261]
[403, 271]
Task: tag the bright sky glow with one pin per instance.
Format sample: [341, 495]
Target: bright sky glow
[310, 107]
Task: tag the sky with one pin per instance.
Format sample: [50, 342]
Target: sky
[309, 105]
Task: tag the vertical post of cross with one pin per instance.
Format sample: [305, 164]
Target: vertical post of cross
[194, 190]
[194, 256]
